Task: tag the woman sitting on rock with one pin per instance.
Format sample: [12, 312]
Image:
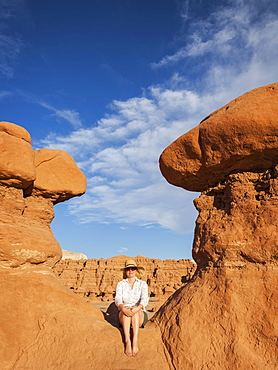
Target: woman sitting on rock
[131, 300]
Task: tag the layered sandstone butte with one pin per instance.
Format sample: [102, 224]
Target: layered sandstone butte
[97, 278]
[43, 325]
[227, 317]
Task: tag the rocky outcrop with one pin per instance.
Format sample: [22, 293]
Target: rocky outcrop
[97, 278]
[44, 325]
[27, 196]
[73, 255]
[226, 317]
[17, 156]
[241, 136]
[57, 176]
[223, 318]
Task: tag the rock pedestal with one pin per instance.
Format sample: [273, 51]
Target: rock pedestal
[226, 317]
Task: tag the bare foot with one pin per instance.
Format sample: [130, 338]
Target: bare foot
[135, 349]
[128, 350]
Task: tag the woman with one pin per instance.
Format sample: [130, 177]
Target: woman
[131, 300]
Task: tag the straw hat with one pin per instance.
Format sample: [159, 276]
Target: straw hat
[131, 263]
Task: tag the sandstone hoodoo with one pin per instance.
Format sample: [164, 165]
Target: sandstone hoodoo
[43, 325]
[227, 317]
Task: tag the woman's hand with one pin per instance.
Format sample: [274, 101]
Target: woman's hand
[127, 311]
[135, 309]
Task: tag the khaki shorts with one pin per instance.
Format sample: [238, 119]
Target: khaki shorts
[145, 319]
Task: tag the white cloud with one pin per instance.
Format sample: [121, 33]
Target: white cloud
[222, 33]
[120, 154]
[69, 115]
[123, 250]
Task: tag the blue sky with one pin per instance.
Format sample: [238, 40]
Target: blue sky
[114, 82]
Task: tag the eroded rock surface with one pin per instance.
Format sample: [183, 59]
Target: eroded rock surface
[226, 318]
[241, 136]
[44, 325]
[97, 278]
[57, 176]
[17, 156]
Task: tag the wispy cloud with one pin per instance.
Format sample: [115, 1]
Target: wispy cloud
[221, 33]
[5, 93]
[10, 44]
[69, 115]
[119, 154]
[123, 250]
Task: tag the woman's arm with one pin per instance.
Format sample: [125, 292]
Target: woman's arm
[119, 294]
[144, 300]
[135, 309]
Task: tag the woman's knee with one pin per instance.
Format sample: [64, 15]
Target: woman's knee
[138, 318]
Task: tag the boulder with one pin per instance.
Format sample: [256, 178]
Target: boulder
[57, 176]
[17, 166]
[241, 136]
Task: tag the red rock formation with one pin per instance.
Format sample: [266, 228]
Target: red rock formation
[241, 136]
[57, 176]
[42, 324]
[97, 278]
[226, 318]
[17, 156]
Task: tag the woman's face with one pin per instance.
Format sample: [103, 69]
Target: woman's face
[130, 272]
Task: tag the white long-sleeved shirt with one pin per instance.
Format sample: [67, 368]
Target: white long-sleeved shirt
[132, 297]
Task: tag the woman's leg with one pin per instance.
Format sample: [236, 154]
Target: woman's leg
[126, 322]
[137, 321]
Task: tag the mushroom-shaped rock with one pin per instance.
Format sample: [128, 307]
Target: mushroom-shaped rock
[232, 158]
[17, 167]
[241, 136]
[57, 176]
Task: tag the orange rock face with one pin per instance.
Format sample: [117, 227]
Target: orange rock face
[226, 317]
[17, 156]
[25, 234]
[44, 325]
[96, 279]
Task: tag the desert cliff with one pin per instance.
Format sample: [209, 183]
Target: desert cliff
[96, 279]
[223, 318]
